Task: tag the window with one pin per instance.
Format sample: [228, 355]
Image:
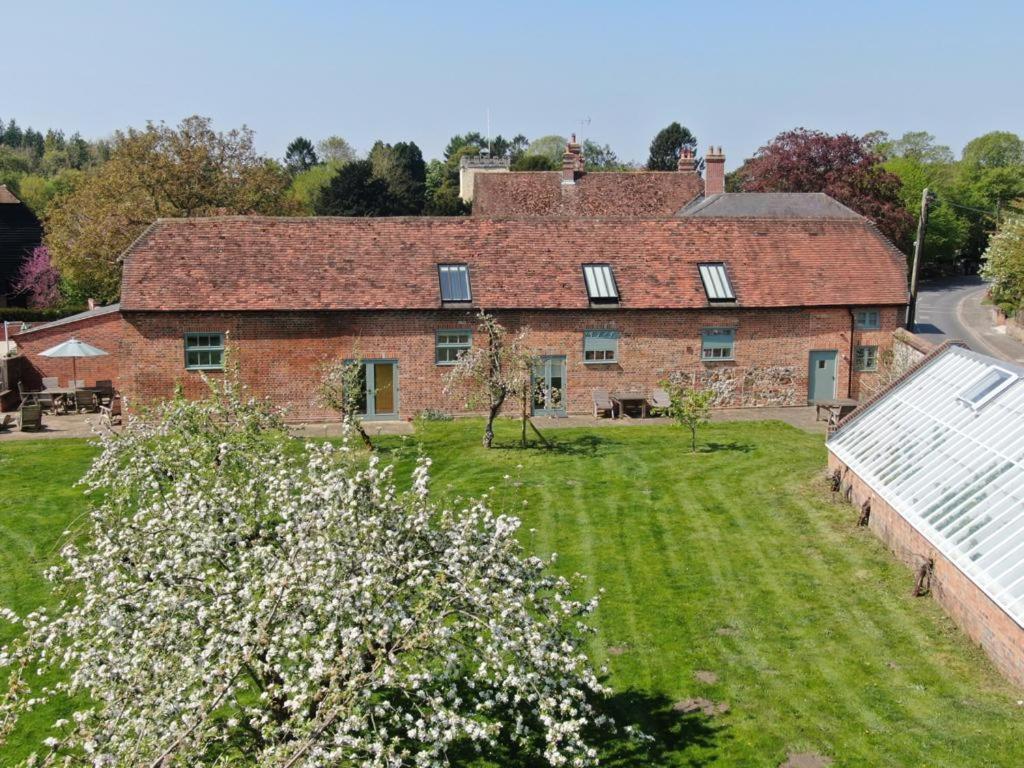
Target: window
[600, 282]
[717, 344]
[204, 351]
[450, 344]
[991, 383]
[454, 282]
[716, 282]
[866, 320]
[600, 346]
[865, 359]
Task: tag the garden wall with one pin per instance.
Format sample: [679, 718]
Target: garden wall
[973, 611]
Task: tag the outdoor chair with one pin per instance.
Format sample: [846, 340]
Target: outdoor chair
[31, 417]
[85, 400]
[603, 403]
[77, 383]
[660, 400]
[27, 396]
[46, 400]
[50, 382]
[109, 414]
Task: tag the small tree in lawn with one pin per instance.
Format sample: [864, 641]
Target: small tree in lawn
[493, 373]
[343, 389]
[689, 406]
[236, 602]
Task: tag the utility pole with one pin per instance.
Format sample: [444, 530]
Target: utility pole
[922, 226]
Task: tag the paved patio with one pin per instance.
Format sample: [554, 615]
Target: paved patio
[87, 425]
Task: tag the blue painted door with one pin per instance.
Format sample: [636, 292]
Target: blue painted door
[821, 380]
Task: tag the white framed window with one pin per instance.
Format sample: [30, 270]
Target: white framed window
[718, 344]
[867, 320]
[716, 282]
[600, 282]
[449, 345]
[865, 359]
[600, 346]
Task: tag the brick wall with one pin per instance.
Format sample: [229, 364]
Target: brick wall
[103, 331]
[279, 353]
[977, 615]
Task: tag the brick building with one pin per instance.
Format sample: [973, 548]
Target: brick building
[102, 327]
[771, 308]
[937, 459]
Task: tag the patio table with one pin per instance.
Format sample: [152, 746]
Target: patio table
[631, 398]
[834, 410]
[64, 395]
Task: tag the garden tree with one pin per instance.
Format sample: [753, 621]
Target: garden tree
[343, 389]
[188, 170]
[534, 163]
[689, 406]
[401, 168]
[667, 146]
[1004, 265]
[842, 166]
[234, 601]
[355, 191]
[912, 145]
[38, 280]
[598, 157]
[947, 230]
[998, 149]
[552, 147]
[300, 155]
[498, 146]
[441, 193]
[307, 185]
[990, 176]
[489, 375]
[336, 151]
[37, 191]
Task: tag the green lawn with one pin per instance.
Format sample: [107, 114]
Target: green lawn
[733, 561]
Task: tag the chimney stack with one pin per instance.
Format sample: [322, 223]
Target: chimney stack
[572, 161]
[687, 161]
[714, 176]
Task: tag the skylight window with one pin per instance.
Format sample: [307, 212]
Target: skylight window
[600, 282]
[991, 383]
[716, 282]
[454, 282]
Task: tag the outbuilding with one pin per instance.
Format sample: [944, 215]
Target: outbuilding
[936, 463]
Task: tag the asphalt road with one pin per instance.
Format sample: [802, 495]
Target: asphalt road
[953, 309]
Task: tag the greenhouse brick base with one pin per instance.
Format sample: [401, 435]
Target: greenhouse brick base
[977, 615]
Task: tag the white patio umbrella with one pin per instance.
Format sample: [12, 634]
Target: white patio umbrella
[74, 349]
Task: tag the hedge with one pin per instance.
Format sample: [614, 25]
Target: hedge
[32, 315]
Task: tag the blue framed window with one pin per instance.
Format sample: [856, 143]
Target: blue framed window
[449, 345]
[718, 344]
[865, 359]
[600, 346]
[867, 320]
[204, 351]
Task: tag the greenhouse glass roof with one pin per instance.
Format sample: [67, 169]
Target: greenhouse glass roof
[945, 449]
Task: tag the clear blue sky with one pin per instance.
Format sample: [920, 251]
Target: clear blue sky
[735, 73]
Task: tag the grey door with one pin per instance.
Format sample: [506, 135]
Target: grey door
[379, 385]
[549, 386]
[821, 381]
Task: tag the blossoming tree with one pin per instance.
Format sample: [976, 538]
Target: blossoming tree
[241, 603]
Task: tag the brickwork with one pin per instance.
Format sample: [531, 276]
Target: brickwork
[279, 352]
[103, 331]
[973, 611]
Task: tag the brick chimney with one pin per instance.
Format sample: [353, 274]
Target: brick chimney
[714, 172]
[687, 162]
[572, 161]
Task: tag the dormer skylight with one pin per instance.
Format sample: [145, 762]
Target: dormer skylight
[990, 384]
[716, 282]
[454, 279]
[600, 282]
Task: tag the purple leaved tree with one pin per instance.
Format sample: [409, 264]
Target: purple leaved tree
[39, 279]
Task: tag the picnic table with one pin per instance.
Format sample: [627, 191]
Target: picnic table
[625, 399]
[835, 410]
[63, 397]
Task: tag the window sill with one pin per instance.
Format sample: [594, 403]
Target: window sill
[445, 364]
[600, 362]
[865, 370]
[719, 360]
[205, 368]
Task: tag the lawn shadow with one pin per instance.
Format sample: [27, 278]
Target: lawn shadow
[665, 735]
[561, 444]
[733, 446]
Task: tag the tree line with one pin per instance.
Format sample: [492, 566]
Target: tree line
[96, 197]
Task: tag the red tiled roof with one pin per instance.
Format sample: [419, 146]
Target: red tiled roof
[638, 194]
[258, 263]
